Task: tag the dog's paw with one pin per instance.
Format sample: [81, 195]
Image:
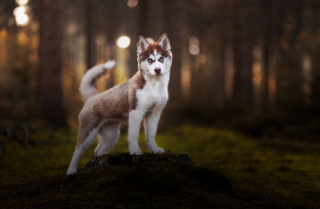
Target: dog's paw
[71, 171]
[135, 152]
[134, 149]
[157, 150]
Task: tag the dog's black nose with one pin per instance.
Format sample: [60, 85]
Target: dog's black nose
[157, 70]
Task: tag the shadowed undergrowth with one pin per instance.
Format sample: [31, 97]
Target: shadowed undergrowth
[148, 181]
[261, 169]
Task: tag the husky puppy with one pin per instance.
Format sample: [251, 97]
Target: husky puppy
[141, 97]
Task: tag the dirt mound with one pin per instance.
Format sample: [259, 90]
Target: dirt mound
[165, 180]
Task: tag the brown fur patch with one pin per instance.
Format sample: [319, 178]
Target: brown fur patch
[87, 124]
[113, 105]
[154, 46]
[110, 105]
[138, 83]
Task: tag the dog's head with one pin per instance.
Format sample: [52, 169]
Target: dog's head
[154, 59]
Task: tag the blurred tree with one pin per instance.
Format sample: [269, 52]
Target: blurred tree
[289, 77]
[110, 14]
[243, 46]
[88, 31]
[6, 8]
[143, 19]
[268, 17]
[315, 50]
[173, 12]
[50, 62]
[133, 27]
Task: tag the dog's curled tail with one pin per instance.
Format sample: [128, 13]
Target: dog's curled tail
[87, 86]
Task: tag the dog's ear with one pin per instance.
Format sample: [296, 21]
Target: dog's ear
[142, 45]
[164, 42]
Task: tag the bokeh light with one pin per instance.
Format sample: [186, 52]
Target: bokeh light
[19, 10]
[194, 49]
[150, 40]
[72, 28]
[123, 42]
[132, 3]
[22, 2]
[22, 19]
[194, 41]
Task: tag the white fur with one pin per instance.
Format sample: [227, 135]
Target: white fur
[82, 147]
[87, 86]
[110, 64]
[108, 137]
[153, 95]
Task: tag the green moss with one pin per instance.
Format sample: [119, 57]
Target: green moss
[287, 169]
[165, 182]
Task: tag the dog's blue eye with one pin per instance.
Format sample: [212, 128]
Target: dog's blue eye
[161, 59]
[150, 60]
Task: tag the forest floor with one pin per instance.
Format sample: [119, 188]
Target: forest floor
[283, 173]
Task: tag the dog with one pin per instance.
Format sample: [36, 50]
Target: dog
[142, 97]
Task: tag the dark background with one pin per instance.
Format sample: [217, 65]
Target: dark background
[253, 65]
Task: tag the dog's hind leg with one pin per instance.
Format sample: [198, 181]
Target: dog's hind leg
[108, 137]
[88, 132]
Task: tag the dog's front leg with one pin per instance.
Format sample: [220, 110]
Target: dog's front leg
[135, 118]
[151, 124]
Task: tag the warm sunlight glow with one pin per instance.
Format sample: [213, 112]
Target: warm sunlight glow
[22, 2]
[186, 80]
[123, 42]
[272, 84]
[22, 19]
[229, 73]
[72, 28]
[150, 40]
[202, 58]
[132, 3]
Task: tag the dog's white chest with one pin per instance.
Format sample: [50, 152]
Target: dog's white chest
[153, 94]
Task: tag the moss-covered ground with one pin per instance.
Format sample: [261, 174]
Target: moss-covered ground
[259, 170]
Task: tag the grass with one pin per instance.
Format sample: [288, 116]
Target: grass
[286, 169]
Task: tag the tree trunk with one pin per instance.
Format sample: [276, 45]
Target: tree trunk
[174, 22]
[243, 89]
[315, 85]
[134, 35]
[143, 19]
[289, 77]
[267, 6]
[110, 25]
[50, 62]
[88, 32]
